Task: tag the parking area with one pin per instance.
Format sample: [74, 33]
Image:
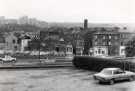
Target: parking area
[52, 79]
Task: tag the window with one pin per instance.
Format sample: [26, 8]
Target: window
[18, 41]
[121, 36]
[104, 43]
[109, 43]
[95, 43]
[103, 52]
[15, 47]
[116, 37]
[103, 37]
[109, 36]
[123, 50]
[122, 43]
[116, 72]
[96, 52]
[13, 41]
[99, 51]
[95, 36]
[108, 72]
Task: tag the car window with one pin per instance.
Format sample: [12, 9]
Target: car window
[107, 72]
[115, 72]
[118, 72]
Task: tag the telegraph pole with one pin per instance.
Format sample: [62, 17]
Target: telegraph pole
[39, 46]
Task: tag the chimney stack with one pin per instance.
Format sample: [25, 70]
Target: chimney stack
[85, 24]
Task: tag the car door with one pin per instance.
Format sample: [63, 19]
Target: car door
[122, 74]
[118, 75]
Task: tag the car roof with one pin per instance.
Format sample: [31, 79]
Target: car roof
[111, 68]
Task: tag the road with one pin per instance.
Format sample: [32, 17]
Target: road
[55, 79]
[31, 63]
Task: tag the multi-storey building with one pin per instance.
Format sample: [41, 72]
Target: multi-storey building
[105, 43]
[109, 42]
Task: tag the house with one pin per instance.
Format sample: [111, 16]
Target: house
[125, 37]
[11, 43]
[109, 42]
[2, 44]
[24, 42]
[64, 48]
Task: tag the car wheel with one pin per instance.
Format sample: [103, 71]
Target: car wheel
[111, 82]
[100, 82]
[131, 78]
[13, 61]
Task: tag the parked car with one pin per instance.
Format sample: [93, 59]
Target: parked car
[8, 58]
[114, 74]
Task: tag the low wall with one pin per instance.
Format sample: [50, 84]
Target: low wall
[97, 63]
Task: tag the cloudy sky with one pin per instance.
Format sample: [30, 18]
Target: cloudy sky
[96, 11]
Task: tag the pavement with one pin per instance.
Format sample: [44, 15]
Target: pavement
[36, 63]
[56, 79]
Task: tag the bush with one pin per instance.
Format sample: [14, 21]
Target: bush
[97, 64]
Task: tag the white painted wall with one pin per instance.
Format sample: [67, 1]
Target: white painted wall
[122, 51]
[24, 43]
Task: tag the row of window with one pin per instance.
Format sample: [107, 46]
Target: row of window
[100, 51]
[112, 36]
[107, 43]
[124, 35]
[106, 37]
[103, 43]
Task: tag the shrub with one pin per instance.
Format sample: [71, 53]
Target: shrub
[97, 64]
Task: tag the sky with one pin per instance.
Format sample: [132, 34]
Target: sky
[96, 11]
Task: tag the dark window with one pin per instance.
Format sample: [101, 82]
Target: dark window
[14, 41]
[103, 52]
[99, 51]
[18, 41]
[122, 43]
[15, 47]
[57, 49]
[116, 72]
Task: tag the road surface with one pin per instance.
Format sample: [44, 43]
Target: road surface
[52, 79]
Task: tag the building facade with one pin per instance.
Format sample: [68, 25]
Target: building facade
[109, 42]
[11, 43]
[2, 44]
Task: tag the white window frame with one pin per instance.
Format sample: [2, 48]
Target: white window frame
[110, 36]
[109, 43]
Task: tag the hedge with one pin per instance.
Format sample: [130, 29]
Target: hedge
[97, 64]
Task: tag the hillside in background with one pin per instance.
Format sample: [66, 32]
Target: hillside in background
[60, 26]
[130, 26]
[17, 27]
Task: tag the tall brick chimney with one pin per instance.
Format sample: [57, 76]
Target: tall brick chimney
[85, 24]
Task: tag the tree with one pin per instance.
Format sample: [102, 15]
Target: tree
[34, 45]
[130, 48]
[88, 43]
